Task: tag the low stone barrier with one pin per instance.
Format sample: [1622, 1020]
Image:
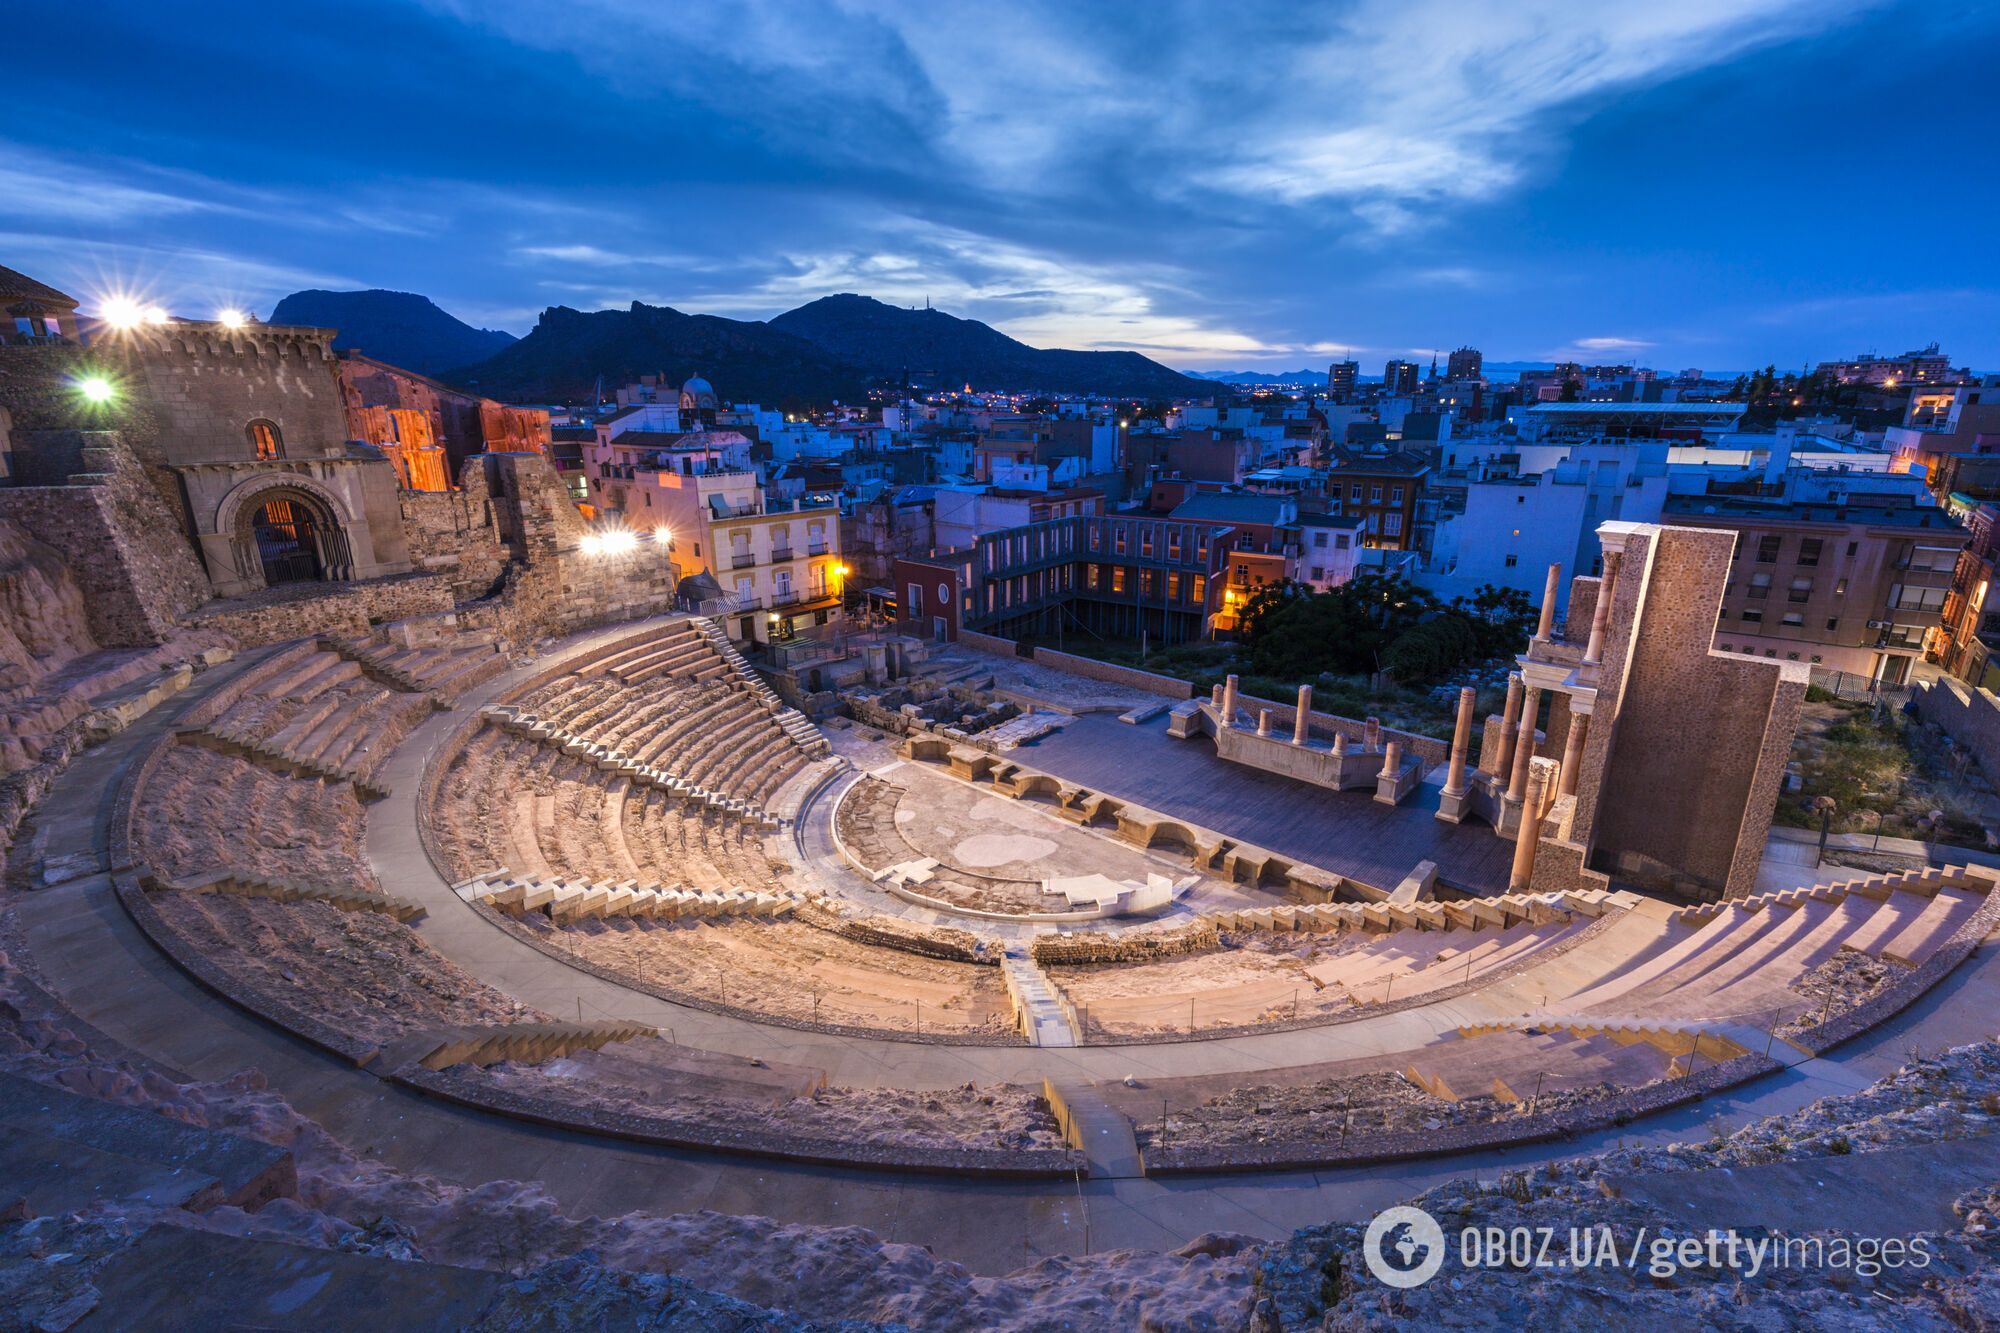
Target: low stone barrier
[1133, 946]
[988, 643]
[1152, 682]
[1427, 748]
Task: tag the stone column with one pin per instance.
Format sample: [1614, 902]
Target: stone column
[1524, 745]
[1510, 717]
[1215, 695]
[1392, 768]
[1302, 724]
[1523, 872]
[1550, 592]
[1579, 728]
[1229, 702]
[1263, 722]
[1461, 741]
[1372, 737]
[1600, 616]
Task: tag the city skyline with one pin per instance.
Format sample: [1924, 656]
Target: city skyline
[1724, 190]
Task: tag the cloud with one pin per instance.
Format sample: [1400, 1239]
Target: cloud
[1585, 348]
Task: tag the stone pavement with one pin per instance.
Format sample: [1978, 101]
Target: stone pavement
[98, 963]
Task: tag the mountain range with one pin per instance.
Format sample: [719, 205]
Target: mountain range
[832, 349]
[402, 328]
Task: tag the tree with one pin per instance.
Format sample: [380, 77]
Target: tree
[1265, 601]
[1344, 630]
[1434, 649]
[1503, 618]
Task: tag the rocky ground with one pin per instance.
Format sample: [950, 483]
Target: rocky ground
[1842, 982]
[1002, 1116]
[361, 972]
[202, 811]
[1319, 1279]
[1331, 1111]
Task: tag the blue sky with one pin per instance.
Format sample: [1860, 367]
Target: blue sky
[1714, 183]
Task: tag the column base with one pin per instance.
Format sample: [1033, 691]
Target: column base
[1507, 816]
[1453, 809]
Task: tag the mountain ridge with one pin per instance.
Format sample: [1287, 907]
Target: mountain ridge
[403, 328]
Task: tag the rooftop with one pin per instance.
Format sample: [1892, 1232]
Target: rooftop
[1233, 508]
[1796, 511]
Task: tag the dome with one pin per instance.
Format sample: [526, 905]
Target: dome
[697, 385]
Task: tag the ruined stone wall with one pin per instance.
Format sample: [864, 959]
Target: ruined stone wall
[554, 587]
[1687, 775]
[125, 545]
[455, 533]
[1969, 716]
[344, 610]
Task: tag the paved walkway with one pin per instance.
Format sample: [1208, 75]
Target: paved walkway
[101, 966]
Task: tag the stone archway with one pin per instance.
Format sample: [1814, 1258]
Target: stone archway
[286, 533]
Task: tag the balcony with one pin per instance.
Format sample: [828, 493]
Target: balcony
[779, 553]
[743, 561]
[817, 548]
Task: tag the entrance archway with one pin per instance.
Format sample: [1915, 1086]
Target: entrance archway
[289, 536]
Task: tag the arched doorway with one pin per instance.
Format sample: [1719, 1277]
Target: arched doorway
[290, 537]
[287, 539]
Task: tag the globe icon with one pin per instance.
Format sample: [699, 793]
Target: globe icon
[1403, 1247]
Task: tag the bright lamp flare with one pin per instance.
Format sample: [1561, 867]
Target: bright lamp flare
[232, 319]
[662, 536]
[95, 388]
[122, 312]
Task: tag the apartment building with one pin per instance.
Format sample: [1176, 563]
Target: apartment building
[1855, 584]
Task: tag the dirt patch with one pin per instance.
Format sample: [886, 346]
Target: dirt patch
[796, 971]
[1226, 988]
[1843, 982]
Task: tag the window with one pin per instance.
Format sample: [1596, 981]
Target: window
[1200, 593]
[1395, 495]
[1840, 587]
[1118, 541]
[916, 597]
[1801, 591]
[1392, 525]
[1317, 574]
[264, 440]
[1357, 492]
[1809, 548]
[1753, 617]
[1174, 587]
[1917, 599]
[1793, 620]
[1936, 559]
[1832, 624]
[1767, 550]
[1512, 560]
[1118, 578]
[1760, 585]
[1319, 540]
[1375, 495]
[1340, 541]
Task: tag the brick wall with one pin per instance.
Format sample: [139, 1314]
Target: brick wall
[1690, 774]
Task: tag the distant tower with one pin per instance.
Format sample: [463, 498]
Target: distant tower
[1340, 378]
[1465, 364]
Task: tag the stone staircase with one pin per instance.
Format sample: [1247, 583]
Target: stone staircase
[375, 665]
[1044, 1013]
[242, 745]
[795, 723]
[284, 890]
[577, 900]
[617, 761]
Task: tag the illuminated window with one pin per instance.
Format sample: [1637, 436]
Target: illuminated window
[264, 440]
